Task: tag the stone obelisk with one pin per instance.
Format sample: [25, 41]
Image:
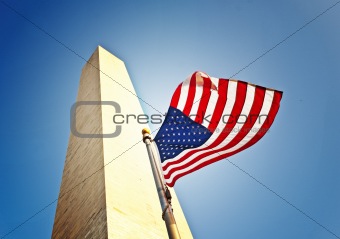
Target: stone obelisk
[107, 188]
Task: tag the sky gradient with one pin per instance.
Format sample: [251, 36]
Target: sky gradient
[285, 186]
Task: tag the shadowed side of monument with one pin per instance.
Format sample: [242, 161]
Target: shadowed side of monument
[81, 210]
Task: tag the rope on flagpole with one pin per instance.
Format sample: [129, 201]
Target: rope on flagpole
[164, 210]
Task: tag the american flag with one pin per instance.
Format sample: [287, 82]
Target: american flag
[210, 119]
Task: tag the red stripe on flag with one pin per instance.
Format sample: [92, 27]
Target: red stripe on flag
[175, 96]
[221, 101]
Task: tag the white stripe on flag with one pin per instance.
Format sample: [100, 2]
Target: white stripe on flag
[210, 108]
[215, 81]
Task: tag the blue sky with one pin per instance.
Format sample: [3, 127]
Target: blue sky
[161, 43]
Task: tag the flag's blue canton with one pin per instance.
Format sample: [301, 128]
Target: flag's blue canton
[179, 133]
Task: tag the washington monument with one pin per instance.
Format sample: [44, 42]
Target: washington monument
[107, 188]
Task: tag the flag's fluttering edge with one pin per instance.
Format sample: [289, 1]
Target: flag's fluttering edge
[210, 119]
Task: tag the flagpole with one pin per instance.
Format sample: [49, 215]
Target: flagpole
[163, 194]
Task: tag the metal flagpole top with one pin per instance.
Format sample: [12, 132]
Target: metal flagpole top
[146, 135]
[146, 131]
